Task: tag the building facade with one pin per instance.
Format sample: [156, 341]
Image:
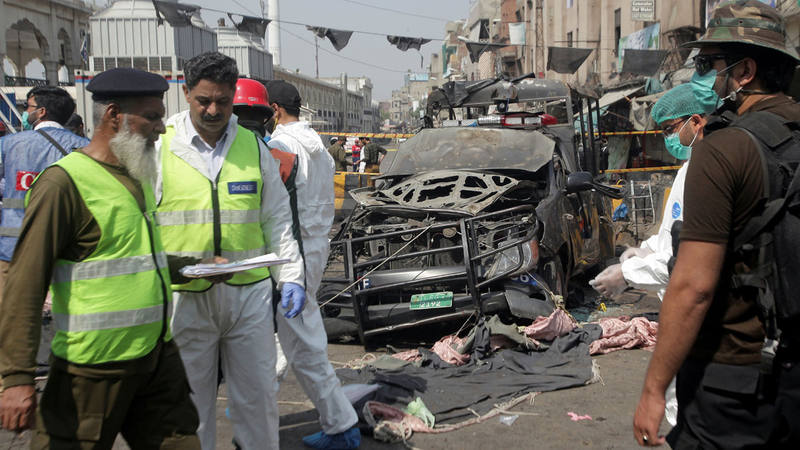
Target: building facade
[368, 119]
[51, 31]
[128, 34]
[252, 57]
[606, 27]
[335, 104]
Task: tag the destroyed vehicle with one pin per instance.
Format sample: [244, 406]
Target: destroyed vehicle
[489, 215]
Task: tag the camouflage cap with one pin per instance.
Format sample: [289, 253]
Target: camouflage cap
[746, 22]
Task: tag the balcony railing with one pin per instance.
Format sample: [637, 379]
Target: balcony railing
[22, 81]
[31, 82]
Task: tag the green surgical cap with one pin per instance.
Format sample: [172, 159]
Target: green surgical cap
[677, 102]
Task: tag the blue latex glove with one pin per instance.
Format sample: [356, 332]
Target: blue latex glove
[296, 294]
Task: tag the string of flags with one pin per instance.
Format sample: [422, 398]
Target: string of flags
[180, 15]
[339, 38]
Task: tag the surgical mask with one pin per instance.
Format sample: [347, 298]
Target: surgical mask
[674, 146]
[25, 124]
[703, 90]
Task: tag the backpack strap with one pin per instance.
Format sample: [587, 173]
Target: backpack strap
[53, 141]
[769, 131]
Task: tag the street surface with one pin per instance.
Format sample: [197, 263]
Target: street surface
[543, 424]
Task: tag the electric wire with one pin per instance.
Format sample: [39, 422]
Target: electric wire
[398, 11]
[345, 57]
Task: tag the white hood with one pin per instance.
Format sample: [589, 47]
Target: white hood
[314, 183]
[303, 134]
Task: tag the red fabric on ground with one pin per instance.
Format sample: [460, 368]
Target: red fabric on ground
[624, 333]
[548, 328]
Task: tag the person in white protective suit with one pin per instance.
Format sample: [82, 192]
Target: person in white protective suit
[304, 341]
[682, 118]
[219, 193]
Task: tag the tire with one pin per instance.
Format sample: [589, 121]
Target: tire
[327, 292]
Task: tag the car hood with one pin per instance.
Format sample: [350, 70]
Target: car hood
[470, 149]
[462, 191]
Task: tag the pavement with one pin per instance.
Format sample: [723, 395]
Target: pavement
[543, 423]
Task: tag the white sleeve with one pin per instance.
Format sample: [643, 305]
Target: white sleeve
[650, 273]
[276, 222]
[650, 243]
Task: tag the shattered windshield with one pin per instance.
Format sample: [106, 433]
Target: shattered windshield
[471, 149]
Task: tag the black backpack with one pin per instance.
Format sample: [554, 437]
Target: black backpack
[771, 238]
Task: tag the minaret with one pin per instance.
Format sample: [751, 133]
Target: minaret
[273, 30]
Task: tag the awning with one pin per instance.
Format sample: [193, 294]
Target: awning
[643, 62]
[566, 59]
[609, 98]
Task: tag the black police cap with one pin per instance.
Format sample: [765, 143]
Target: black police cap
[283, 93]
[126, 82]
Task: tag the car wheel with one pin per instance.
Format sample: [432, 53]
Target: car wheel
[327, 292]
[553, 273]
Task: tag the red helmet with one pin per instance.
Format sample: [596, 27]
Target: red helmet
[250, 93]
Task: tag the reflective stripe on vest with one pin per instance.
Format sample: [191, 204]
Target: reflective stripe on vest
[207, 216]
[201, 219]
[14, 203]
[112, 305]
[106, 321]
[107, 268]
[8, 205]
[10, 232]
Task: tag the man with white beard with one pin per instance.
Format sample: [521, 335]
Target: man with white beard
[89, 234]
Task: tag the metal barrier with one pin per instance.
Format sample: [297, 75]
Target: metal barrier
[346, 181]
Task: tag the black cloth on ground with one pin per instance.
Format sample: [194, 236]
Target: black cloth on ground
[451, 391]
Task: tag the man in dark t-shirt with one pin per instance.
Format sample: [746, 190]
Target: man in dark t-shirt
[710, 333]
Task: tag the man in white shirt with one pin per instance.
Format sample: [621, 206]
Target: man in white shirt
[220, 194]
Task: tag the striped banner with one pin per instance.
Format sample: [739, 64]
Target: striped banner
[369, 135]
[644, 169]
[627, 133]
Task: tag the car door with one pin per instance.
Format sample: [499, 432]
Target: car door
[581, 212]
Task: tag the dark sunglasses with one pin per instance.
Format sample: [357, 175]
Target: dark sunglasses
[26, 105]
[704, 63]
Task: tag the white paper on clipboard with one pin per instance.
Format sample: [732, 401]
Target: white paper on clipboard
[208, 270]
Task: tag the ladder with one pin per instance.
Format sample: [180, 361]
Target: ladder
[641, 197]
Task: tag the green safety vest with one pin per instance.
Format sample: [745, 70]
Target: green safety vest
[115, 304]
[202, 219]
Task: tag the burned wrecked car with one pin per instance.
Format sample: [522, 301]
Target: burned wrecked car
[486, 213]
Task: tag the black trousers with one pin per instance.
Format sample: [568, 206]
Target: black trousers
[151, 410]
[736, 407]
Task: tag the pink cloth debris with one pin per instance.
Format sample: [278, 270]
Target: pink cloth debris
[408, 355]
[624, 333]
[500, 341]
[446, 347]
[383, 412]
[574, 417]
[548, 328]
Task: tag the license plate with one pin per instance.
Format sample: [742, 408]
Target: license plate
[432, 300]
